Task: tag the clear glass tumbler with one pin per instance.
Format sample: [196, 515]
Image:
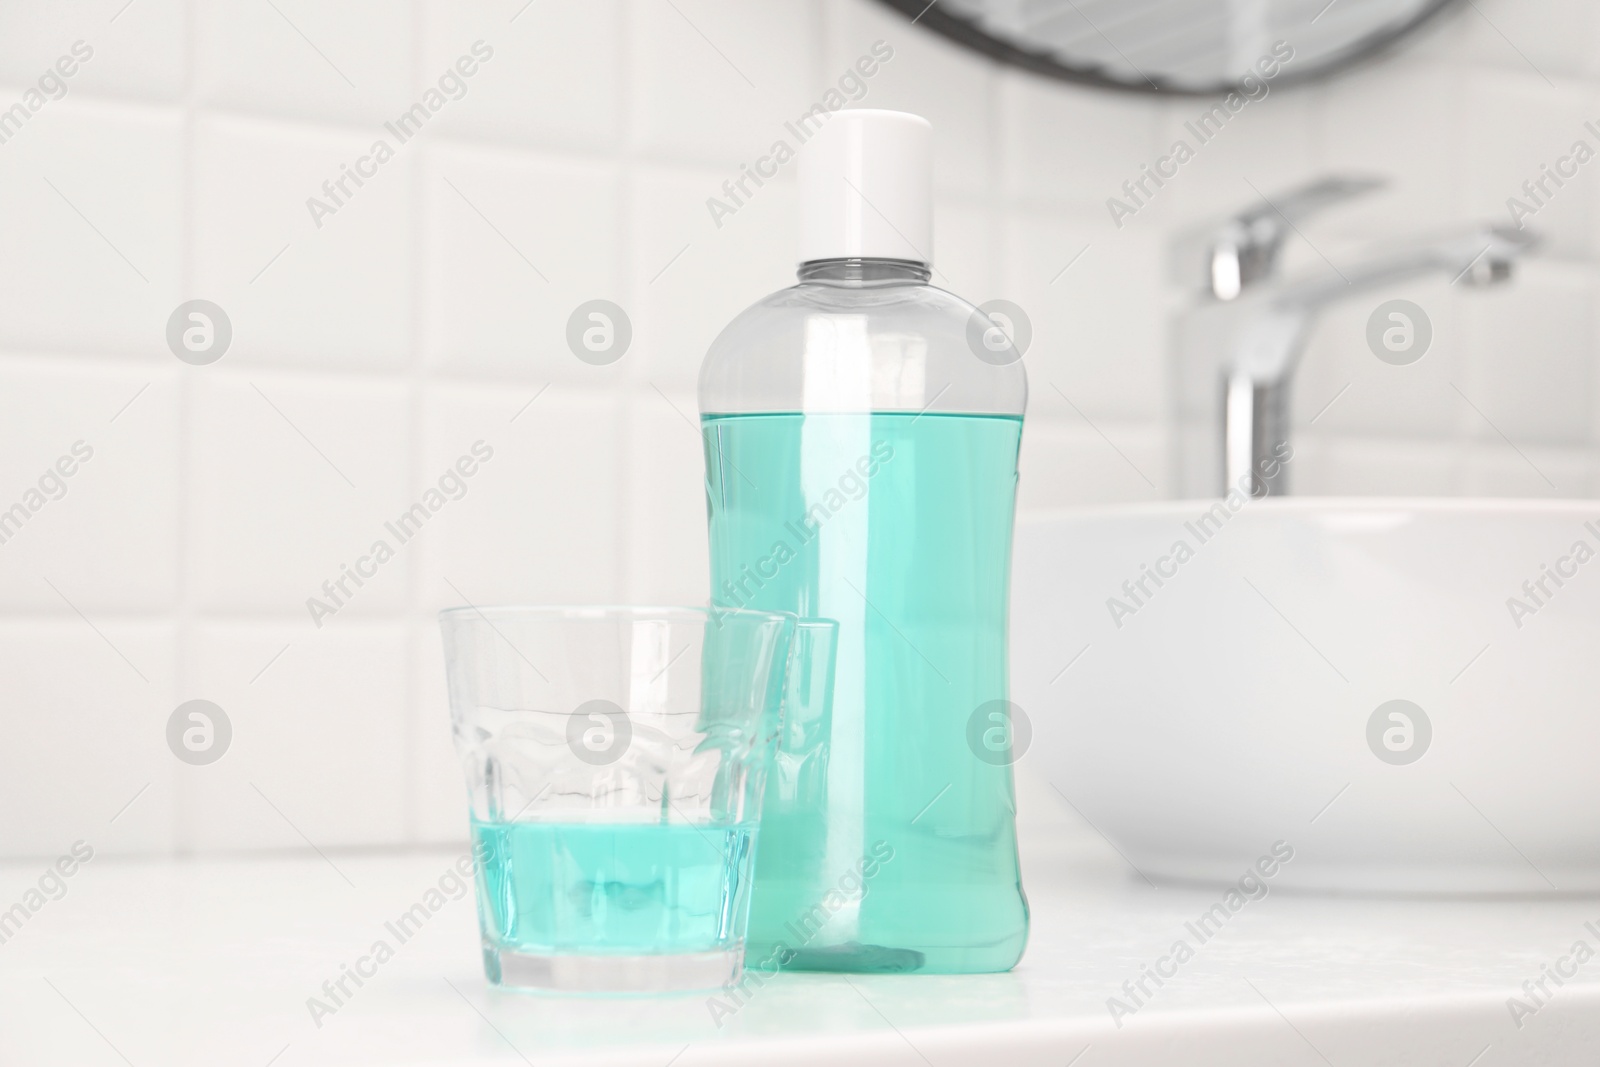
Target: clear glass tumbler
[616, 760]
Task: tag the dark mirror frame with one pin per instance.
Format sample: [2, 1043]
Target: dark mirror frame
[969, 34]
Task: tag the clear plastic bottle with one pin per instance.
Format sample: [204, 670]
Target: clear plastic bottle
[861, 462]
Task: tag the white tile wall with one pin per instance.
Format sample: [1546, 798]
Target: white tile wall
[257, 249]
[347, 61]
[1097, 315]
[85, 724]
[1513, 121]
[132, 53]
[429, 311]
[1370, 120]
[1558, 37]
[541, 521]
[1071, 146]
[1271, 146]
[320, 735]
[555, 79]
[689, 275]
[504, 270]
[93, 223]
[291, 477]
[1532, 382]
[711, 81]
[108, 532]
[1349, 393]
[666, 491]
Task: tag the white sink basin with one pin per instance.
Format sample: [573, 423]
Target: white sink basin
[1228, 708]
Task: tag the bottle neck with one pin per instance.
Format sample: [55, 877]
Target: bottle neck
[864, 273]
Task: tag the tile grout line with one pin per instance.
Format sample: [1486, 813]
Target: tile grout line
[417, 382]
[994, 179]
[181, 824]
[630, 395]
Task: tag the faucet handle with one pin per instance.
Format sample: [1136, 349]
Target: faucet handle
[1243, 248]
[1313, 196]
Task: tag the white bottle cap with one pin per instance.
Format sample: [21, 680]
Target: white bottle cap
[866, 187]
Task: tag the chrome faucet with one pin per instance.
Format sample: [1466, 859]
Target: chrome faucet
[1234, 353]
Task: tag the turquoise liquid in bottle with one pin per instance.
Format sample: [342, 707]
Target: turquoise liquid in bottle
[887, 837]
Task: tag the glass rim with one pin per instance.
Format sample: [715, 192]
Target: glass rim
[609, 613]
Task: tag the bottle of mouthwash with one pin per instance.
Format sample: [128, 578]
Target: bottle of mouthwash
[861, 433]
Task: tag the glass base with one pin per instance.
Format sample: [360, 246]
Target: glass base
[697, 972]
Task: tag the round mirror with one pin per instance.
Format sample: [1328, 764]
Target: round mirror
[1181, 46]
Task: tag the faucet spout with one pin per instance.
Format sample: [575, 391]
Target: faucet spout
[1480, 255]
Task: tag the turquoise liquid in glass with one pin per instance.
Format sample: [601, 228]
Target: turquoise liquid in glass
[898, 526]
[627, 889]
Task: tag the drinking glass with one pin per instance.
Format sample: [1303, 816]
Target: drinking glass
[615, 759]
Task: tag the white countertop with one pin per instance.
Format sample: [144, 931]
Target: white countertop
[210, 962]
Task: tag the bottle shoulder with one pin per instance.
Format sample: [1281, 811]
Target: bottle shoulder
[815, 347]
